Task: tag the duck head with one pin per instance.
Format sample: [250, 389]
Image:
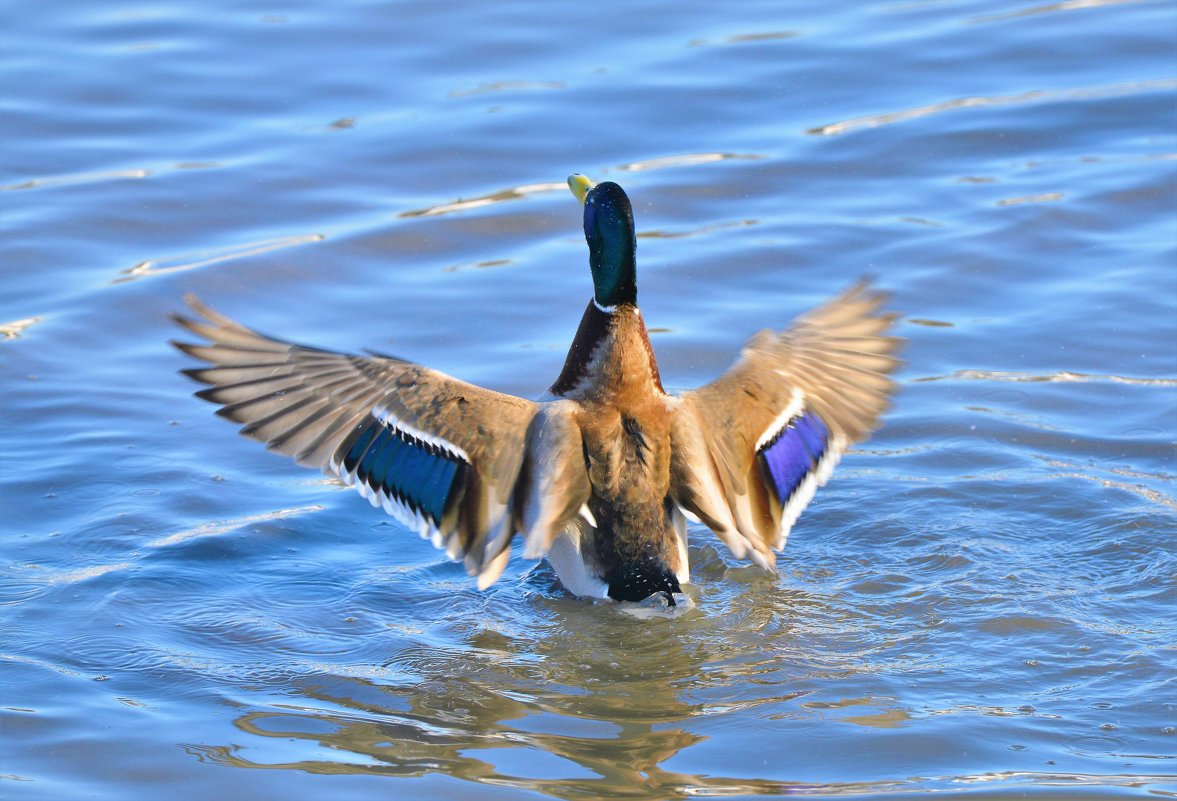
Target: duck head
[608, 229]
[638, 580]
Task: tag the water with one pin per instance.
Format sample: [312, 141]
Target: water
[981, 602]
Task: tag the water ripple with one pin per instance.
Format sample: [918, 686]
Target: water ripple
[1036, 96]
[1048, 8]
[658, 234]
[221, 526]
[77, 178]
[525, 190]
[507, 86]
[1063, 376]
[102, 176]
[1045, 197]
[14, 329]
[1152, 495]
[477, 265]
[513, 193]
[684, 160]
[746, 38]
[204, 258]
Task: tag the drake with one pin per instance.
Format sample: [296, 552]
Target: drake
[601, 475]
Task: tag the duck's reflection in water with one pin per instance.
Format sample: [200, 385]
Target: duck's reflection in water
[590, 702]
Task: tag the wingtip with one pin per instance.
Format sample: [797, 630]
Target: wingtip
[208, 313]
[493, 569]
[194, 303]
[764, 559]
[186, 323]
[865, 296]
[867, 288]
[184, 347]
[195, 373]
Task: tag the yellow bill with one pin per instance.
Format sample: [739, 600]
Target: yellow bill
[580, 186]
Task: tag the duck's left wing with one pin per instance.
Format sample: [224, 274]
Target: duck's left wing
[441, 455]
[750, 448]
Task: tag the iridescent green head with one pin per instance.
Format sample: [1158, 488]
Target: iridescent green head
[608, 229]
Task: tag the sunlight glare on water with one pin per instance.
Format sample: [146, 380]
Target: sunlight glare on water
[980, 602]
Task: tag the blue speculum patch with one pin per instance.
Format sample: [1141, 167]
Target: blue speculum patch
[419, 475]
[794, 453]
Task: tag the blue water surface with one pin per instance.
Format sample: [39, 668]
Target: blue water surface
[981, 603]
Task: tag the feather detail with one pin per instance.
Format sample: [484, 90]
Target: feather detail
[441, 456]
[752, 447]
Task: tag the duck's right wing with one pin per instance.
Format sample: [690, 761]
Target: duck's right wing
[441, 455]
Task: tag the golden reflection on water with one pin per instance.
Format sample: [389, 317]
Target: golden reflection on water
[591, 704]
[455, 724]
[886, 719]
[467, 702]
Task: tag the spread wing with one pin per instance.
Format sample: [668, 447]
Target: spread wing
[751, 447]
[440, 455]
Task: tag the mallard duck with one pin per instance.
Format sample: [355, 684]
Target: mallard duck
[600, 475]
